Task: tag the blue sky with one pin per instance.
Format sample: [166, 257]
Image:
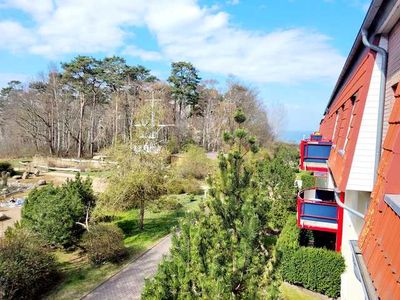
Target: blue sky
[291, 51]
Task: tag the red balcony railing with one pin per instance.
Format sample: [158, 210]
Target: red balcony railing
[317, 210]
[314, 153]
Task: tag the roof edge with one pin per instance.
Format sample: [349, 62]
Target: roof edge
[357, 45]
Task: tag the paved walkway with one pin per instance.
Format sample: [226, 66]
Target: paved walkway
[128, 283]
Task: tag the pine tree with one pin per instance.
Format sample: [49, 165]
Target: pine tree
[184, 80]
[276, 177]
[219, 252]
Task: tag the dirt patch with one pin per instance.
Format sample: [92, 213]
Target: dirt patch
[99, 185]
[58, 178]
[14, 215]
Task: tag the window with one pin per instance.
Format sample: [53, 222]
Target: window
[336, 123]
[353, 105]
[396, 90]
[339, 124]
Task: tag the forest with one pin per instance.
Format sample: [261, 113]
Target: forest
[88, 104]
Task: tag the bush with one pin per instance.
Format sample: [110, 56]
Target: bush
[169, 202]
[173, 145]
[194, 163]
[53, 212]
[6, 166]
[308, 180]
[192, 186]
[26, 268]
[104, 242]
[184, 186]
[176, 186]
[314, 268]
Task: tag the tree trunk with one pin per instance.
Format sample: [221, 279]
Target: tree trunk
[116, 120]
[80, 135]
[92, 126]
[141, 224]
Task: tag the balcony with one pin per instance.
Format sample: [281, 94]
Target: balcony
[314, 153]
[317, 210]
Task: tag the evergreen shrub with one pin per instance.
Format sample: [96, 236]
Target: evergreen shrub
[53, 212]
[316, 269]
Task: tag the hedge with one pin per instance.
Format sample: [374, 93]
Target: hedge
[316, 269]
[289, 239]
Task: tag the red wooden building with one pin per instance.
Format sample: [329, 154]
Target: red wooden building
[360, 202]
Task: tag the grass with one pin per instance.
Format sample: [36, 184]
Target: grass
[105, 173]
[290, 292]
[79, 276]
[93, 173]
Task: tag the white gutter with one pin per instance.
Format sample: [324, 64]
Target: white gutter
[340, 203]
[381, 107]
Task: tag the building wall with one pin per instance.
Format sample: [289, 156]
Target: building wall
[351, 287]
[362, 173]
[343, 120]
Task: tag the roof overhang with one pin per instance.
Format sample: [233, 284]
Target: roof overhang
[382, 15]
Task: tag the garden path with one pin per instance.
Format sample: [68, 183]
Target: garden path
[129, 282]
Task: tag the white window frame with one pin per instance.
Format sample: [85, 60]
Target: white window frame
[353, 103]
[335, 128]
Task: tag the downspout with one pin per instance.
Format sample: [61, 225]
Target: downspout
[349, 209]
[381, 110]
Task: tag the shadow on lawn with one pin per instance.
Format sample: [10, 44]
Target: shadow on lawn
[155, 227]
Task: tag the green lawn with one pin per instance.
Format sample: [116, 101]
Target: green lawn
[79, 276]
[290, 292]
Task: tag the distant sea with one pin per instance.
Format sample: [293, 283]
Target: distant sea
[294, 136]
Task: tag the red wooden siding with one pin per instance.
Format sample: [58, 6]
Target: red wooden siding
[357, 84]
[393, 71]
[379, 240]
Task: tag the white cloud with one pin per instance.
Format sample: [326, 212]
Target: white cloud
[184, 31]
[142, 54]
[233, 2]
[14, 36]
[7, 77]
[38, 9]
